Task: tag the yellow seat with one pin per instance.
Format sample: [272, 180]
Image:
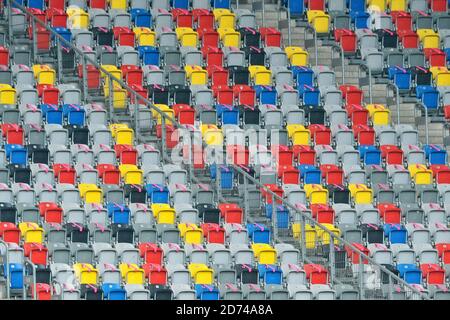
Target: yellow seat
[187, 37]
[196, 75]
[7, 94]
[201, 273]
[420, 174]
[379, 113]
[86, 273]
[435, 71]
[442, 79]
[229, 37]
[44, 74]
[324, 237]
[114, 127]
[119, 4]
[300, 136]
[77, 18]
[260, 75]
[224, 18]
[264, 253]
[144, 36]
[361, 193]
[191, 233]
[121, 133]
[310, 235]
[377, 5]
[131, 273]
[397, 5]
[90, 193]
[131, 174]
[212, 135]
[316, 193]
[163, 213]
[120, 98]
[111, 69]
[297, 56]
[31, 232]
[319, 20]
[429, 38]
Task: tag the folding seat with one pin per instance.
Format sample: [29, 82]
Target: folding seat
[319, 20]
[420, 174]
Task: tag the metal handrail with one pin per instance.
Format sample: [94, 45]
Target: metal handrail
[331, 234]
[34, 284]
[309, 29]
[6, 262]
[288, 17]
[395, 90]
[338, 48]
[425, 109]
[366, 69]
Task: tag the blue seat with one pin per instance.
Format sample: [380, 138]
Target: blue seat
[259, 233]
[266, 94]
[157, 193]
[227, 114]
[303, 76]
[360, 19]
[226, 179]
[310, 174]
[296, 8]
[310, 96]
[220, 4]
[113, 291]
[119, 213]
[356, 5]
[396, 233]
[75, 114]
[37, 4]
[270, 273]
[447, 53]
[16, 275]
[410, 273]
[282, 215]
[401, 77]
[65, 33]
[207, 292]
[370, 155]
[149, 55]
[428, 95]
[141, 18]
[180, 4]
[52, 113]
[16, 154]
[435, 154]
[20, 2]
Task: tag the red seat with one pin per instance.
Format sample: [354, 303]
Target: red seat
[151, 253]
[13, 133]
[441, 173]
[402, 20]
[436, 57]
[56, 4]
[238, 154]
[57, 16]
[316, 273]
[218, 75]
[172, 136]
[347, 39]
[43, 291]
[48, 93]
[223, 94]
[213, 57]
[271, 37]
[208, 37]
[283, 155]
[332, 174]
[447, 112]
[320, 134]
[433, 273]
[390, 213]
[124, 36]
[438, 5]
[155, 273]
[51, 212]
[315, 4]
[351, 94]
[322, 213]
[93, 76]
[132, 74]
[203, 18]
[230, 212]
[37, 252]
[139, 90]
[354, 255]
[9, 232]
[108, 173]
[409, 39]
[364, 134]
[97, 4]
[64, 173]
[274, 188]
[304, 154]
[184, 113]
[357, 114]
[244, 94]
[182, 17]
[126, 154]
[391, 154]
[288, 174]
[213, 232]
[443, 249]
